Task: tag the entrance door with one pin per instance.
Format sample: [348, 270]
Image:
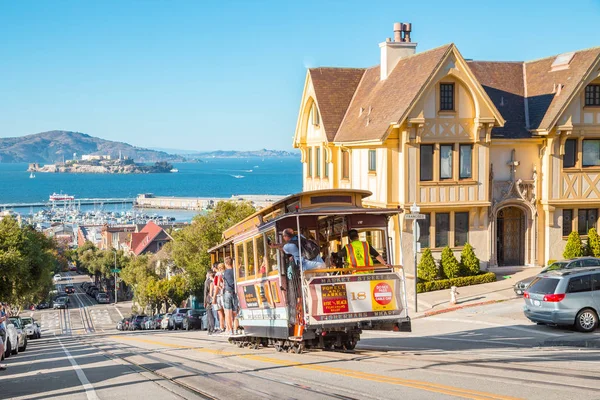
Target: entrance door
[510, 236]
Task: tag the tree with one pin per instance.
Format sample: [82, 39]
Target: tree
[427, 269]
[468, 261]
[137, 273]
[178, 290]
[449, 264]
[190, 244]
[593, 243]
[573, 248]
[27, 261]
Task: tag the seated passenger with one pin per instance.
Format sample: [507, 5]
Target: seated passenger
[290, 247]
[358, 253]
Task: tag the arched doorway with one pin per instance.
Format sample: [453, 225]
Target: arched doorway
[510, 236]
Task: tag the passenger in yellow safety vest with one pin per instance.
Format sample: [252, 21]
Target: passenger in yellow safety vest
[360, 254]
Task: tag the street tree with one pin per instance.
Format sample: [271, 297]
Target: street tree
[190, 244]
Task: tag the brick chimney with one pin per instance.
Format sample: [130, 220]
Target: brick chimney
[401, 47]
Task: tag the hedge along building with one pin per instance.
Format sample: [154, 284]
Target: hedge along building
[503, 155]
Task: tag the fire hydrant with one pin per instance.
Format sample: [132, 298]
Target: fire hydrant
[453, 294]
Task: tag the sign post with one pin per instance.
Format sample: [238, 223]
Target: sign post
[414, 215]
[115, 270]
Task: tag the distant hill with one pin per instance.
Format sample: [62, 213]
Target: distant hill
[244, 154]
[52, 146]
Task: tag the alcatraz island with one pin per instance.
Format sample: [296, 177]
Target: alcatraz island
[102, 164]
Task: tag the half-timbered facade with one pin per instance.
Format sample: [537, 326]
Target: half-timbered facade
[503, 155]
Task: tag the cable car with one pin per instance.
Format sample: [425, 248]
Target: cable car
[292, 308]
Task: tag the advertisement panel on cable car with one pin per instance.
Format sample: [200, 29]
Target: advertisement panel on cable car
[354, 297]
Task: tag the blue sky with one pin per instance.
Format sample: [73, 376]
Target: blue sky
[209, 75]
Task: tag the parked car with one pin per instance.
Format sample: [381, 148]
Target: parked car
[32, 328]
[126, 323]
[102, 298]
[565, 297]
[156, 321]
[69, 289]
[60, 302]
[176, 320]
[164, 324]
[86, 285]
[193, 319]
[136, 322]
[586, 262]
[11, 343]
[57, 278]
[121, 325]
[42, 306]
[92, 290]
[147, 323]
[22, 335]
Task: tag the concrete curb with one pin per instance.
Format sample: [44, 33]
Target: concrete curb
[588, 343]
[460, 307]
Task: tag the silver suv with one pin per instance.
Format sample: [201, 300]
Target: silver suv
[565, 297]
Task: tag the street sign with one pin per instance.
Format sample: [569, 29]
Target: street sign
[414, 216]
[115, 270]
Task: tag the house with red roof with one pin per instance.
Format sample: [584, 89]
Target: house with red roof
[150, 239]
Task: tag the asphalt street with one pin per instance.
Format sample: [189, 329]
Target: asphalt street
[486, 352]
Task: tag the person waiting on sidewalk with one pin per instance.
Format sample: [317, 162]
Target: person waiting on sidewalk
[3, 318]
[290, 247]
[217, 296]
[229, 295]
[359, 254]
[210, 318]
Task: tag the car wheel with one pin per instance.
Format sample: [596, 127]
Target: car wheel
[14, 351]
[8, 350]
[24, 347]
[187, 326]
[586, 320]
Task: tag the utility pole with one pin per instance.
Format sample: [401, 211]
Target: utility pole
[115, 271]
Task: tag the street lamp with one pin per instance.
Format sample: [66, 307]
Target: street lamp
[115, 270]
[415, 209]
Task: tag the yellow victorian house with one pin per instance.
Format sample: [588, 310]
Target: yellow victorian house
[502, 155]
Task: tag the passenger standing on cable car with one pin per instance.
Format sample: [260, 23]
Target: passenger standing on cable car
[290, 247]
[359, 254]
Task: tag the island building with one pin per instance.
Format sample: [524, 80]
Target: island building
[502, 155]
[95, 157]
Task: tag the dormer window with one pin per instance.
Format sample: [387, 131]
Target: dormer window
[446, 96]
[592, 95]
[315, 115]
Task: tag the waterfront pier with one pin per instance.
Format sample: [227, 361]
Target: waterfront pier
[149, 200]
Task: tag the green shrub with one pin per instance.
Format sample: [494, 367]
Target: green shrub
[469, 262]
[462, 281]
[573, 248]
[593, 243]
[427, 269]
[550, 262]
[449, 264]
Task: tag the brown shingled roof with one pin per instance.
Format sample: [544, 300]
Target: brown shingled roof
[503, 83]
[334, 88]
[388, 101]
[544, 106]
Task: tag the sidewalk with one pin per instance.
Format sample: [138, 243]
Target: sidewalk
[438, 301]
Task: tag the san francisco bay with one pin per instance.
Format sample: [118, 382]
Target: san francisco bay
[216, 177]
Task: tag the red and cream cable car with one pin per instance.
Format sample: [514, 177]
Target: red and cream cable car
[284, 305]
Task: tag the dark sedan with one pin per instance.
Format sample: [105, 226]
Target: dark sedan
[193, 319]
[581, 262]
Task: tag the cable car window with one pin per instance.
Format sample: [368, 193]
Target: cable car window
[271, 253]
[240, 257]
[261, 261]
[251, 269]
